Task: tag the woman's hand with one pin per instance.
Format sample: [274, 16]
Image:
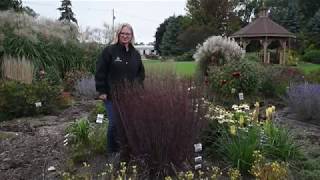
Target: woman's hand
[103, 97]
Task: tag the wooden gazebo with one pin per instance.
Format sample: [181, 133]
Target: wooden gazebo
[265, 31]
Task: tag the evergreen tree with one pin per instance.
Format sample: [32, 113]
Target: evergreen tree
[160, 32]
[66, 12]
[290, 17]
[16, 5]
[308, 9]
[168, 44]
[218, 14]
[314, 29]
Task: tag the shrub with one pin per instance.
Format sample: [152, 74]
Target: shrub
[87, 139]
[304, 101]
[71, 78]
[18, 100]
[276, 79]
[252, 57]
[164, 132]
[151, 56]
[312, 56]
[293, 58]
[187, 56]
[241, 76]
[217, 50]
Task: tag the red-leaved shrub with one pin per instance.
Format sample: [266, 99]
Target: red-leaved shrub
[161, 120]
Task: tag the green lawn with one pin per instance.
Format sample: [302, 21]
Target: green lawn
[181, 68]
[308, 67]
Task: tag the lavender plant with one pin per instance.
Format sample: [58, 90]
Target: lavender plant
[304, 101]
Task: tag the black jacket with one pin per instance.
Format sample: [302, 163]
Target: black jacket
[116, 65]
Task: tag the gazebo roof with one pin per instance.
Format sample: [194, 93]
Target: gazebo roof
[263, 27]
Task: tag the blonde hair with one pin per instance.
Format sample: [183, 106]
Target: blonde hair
[117, 34]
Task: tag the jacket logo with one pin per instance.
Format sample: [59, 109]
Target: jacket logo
[117, 60]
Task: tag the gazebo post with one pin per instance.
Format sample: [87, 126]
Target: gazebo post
[245, 44]
[265, 43]
[284, 47]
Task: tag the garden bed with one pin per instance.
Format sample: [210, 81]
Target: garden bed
[29, 146]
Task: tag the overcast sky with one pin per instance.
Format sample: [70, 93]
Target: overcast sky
[144, 15]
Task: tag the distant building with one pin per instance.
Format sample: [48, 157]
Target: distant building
[146, 49]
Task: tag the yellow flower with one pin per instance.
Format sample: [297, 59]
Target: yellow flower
[241, 120]
[257, 104]
[233, 130]
[269, 113]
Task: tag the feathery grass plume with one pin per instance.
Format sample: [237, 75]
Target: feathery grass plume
[217, 50]
[27, 26]
[19, 69]
[161, 121]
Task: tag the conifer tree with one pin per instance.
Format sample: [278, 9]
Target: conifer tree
[314, 28]
[168, 44]
[66, 12]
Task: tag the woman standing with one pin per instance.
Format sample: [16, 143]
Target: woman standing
[118, 63]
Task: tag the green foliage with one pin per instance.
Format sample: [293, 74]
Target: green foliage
[160, 32]
[44, 53]
[98, 109]
[312, 56]
[238, 149]
[218, 15]
[209, 138]
[216, 51]
[293, 58]
[168, 44]
[80, 131]
[87, 139]
[279, 143]
[252, 57]
[274, 80]
[241, 76]
[313, 76]
[11, 4]
[66, 12]
[308, 9]
[187, 56]
[98, 138]
[18, 100]
[287, 14]
[50, 45]
[193, 35]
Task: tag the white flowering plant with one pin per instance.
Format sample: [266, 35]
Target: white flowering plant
[217, 50]
[236, 133]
